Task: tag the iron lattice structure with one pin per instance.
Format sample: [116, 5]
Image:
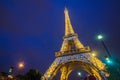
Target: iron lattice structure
[74, 55]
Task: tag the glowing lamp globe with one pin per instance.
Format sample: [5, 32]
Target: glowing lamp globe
[21, 65]
[100, 37]
[79, 74]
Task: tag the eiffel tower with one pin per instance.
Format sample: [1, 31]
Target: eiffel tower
[74, 55]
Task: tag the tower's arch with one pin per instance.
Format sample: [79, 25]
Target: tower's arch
[67, 67]
[84, 61]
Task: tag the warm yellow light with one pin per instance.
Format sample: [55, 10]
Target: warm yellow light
[107, 58]
[94, 53]
[21, 65]
[10, 76]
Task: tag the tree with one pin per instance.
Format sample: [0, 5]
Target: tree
[33, 75]
[3, 75]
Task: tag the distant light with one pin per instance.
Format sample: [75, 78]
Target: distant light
[11, 70]
[108, 60]
[94, 53]
[10, 76]
[79, 74]
[21, 65]
[100, 37]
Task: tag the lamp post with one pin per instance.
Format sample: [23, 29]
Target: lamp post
[109, 57]
[100, 37]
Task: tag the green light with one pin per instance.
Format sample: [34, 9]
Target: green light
[100, 37]
[108, 60]
[10, 71]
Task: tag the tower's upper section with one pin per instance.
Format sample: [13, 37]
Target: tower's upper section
[68, 27]
[71, 43]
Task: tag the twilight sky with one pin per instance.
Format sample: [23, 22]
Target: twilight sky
[32, 30]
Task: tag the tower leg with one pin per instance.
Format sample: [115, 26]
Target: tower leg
[64, 72]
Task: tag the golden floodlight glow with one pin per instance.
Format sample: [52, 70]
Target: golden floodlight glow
[94, 53]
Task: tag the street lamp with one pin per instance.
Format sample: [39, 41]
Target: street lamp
[108, 60]
[100, 37]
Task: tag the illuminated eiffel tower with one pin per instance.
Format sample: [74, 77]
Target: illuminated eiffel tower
[73, 55]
